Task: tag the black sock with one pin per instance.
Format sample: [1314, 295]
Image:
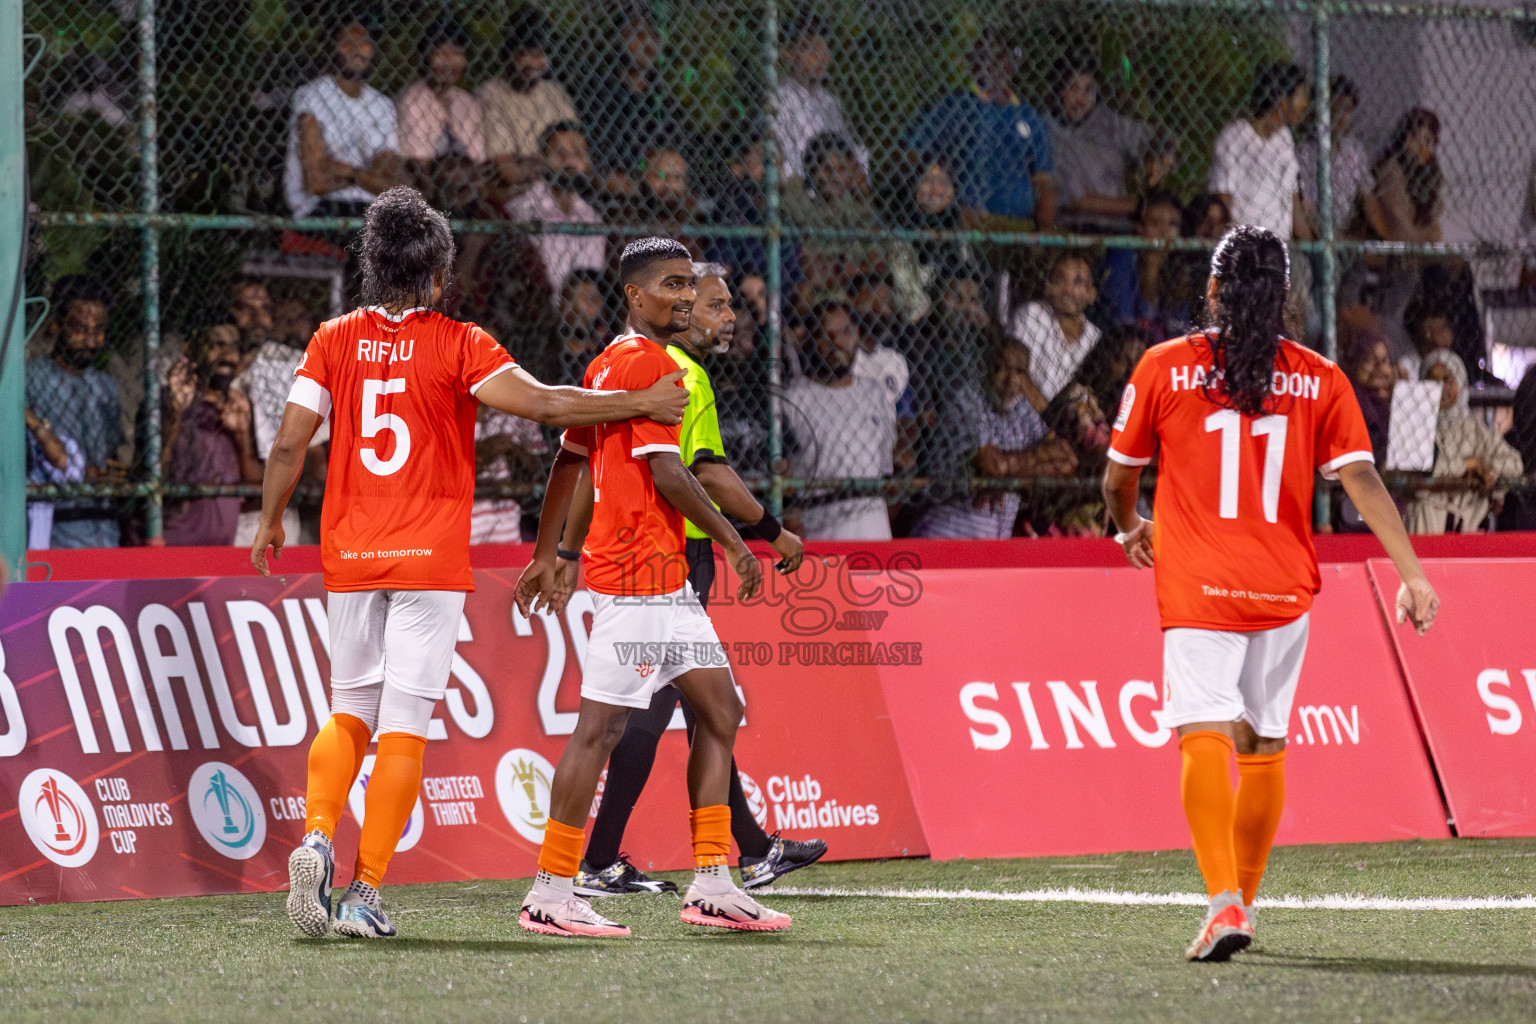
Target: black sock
[751, 840]
[629, 766]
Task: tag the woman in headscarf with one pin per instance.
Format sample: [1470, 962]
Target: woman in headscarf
[1464, 450]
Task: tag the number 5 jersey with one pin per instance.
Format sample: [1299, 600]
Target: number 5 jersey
[400, 391]
[1232, 519]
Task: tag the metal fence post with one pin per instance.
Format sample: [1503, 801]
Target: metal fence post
[149, 154]
[1322, 92]
[774, 252]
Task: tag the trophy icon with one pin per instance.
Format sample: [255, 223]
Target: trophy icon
[56, 802]
[219, 786]
[526, 772]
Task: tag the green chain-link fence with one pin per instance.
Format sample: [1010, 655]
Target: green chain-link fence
[980, 212]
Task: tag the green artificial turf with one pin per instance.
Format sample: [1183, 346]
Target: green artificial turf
[462, 956]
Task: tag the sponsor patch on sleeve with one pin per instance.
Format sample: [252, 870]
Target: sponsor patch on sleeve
[1127, 400]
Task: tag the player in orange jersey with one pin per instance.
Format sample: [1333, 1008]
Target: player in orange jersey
[401, 384]
[1240, 419]
[649, 629]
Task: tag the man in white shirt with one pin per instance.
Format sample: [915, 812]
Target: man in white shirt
[1254, 169]
[1349, 163]
[807, 107]
[840, 425]
[558, 199]
[1057, 332]
[343, 143]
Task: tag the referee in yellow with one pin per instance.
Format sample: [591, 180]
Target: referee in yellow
[605, 870]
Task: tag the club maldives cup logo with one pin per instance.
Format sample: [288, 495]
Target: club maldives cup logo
[227, 810]
[357, 803]
[58, 817]
[755, 801]
[522, 789]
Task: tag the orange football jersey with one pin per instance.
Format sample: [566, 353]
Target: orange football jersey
[401, 476]
[1232, 519]
[635, 543]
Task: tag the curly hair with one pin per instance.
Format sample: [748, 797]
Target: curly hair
[404, 246]
[1252, 271]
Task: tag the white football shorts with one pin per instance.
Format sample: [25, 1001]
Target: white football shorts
[403, 639]
[640, 644]
[1214, 675]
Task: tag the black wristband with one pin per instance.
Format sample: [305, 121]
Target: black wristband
[569, 556]
[768, 528]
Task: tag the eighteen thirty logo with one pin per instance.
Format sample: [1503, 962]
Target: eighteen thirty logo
[755, 800]
[227, 810]
[522, 789]
[58, 817]
[357, 803]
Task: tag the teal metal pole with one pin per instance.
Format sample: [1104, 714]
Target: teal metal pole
[1322, 92]
[13, 442]
[774, 250]
[149, 158]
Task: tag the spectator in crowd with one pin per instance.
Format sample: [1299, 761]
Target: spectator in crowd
[665, 196]
[1094, 149]
[585, 324]
[441, 132]
[833, 194]
[207, 439]
[628, 107]
[806, 107]
[879, 357]
[1404, 202]
[1368, 364]
[991, 430]
[1076, 417]
[508, 450]
[1429, 329]
[1057, 331]
[1107, 369]
[1207, 218]
[1465, 451]
[80, 402]
[1349, 164]
[1140, 286]
[343, 143]
[559, 197]
[743, 202]
[1520, 506]
[51, 459]
[1254, 169]
[994, 145]
[842, 426]
[294, 323]
[929, 203]
[519, 106]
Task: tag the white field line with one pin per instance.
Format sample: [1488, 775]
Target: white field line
[1174, 899]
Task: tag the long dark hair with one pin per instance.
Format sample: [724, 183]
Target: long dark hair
[1423, 181]
[1252, 272]
[404, 246]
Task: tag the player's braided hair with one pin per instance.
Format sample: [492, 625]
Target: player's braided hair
[1252, 271]
[404, 246]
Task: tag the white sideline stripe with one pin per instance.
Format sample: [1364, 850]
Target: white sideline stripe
[1175, 899]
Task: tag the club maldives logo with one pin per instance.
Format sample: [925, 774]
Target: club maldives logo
[755, 800]
[357, 801]
[59, 817]
[227, 810]
[522, 789]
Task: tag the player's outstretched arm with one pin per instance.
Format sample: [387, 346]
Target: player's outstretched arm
[1416, 599]
[520, 393]
[1122, 486]
[681, 488]
[731, 493]
[284, 467]
[536, 586]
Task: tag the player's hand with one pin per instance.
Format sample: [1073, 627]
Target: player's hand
[535, 587]
[267, 536]
[1417, 603]
[666, 400]
[1138, 544]
[748, 568]
[791, 550]
[566, 575]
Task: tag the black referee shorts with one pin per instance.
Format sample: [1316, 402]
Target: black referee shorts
[700, 552]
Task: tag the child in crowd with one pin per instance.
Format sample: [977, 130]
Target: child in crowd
[1057, 331]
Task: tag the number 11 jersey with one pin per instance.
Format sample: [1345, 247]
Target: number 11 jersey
[401, 476]
[1232, 519]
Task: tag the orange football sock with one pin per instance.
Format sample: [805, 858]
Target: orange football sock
[711, 835]
[335, 758]
[392, 792]
[1210, 806]
[1260, 799]
[561, 853]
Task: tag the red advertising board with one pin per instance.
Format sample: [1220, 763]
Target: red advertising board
[153, 736]
[1473, 682]
[1033, 729]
